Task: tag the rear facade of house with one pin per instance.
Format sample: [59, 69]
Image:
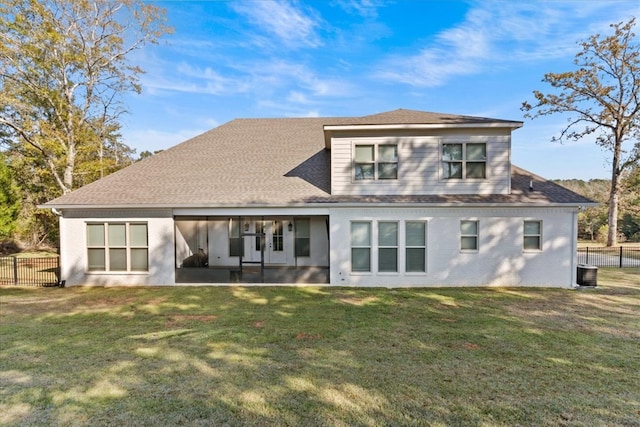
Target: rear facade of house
[402, 198]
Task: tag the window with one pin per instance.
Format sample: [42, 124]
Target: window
[416, 247]
[376, 161]
[387, 247]
[360, 246]
[464, 161]
[302, 237]
[469, 235]
[532, 235]
[117, 247]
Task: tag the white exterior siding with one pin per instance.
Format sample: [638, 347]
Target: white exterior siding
[420, 164]
[499, 260]
[73, 248]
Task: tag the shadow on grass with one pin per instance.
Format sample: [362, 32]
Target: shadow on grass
[319, 356]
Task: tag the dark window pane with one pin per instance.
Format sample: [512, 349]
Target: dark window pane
[303, 246]
[416, 260]
[388, 260]
[364, 171]
[360, 259]
[388, 171]
[532, 242]
[117, 259]
[452, 170]
[476, 170]
[139, 259]
[96, 260]
[235, 246]
[468, 243]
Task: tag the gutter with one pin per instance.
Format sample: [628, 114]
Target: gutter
[327, 204]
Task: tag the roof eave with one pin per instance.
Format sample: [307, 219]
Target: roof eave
[323, 204]
[510, 125]
[417, 126]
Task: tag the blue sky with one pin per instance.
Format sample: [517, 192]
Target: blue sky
[263, 58]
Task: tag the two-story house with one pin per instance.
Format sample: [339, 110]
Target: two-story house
[402, 198]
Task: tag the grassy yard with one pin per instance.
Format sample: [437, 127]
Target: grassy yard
[322, 356]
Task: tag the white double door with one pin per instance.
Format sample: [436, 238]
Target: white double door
[269, 233]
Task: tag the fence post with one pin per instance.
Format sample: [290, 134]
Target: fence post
[15, 270]
[620, 256]
[587, 261]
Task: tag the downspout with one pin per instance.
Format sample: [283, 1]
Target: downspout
[61, 281]
[574, 248]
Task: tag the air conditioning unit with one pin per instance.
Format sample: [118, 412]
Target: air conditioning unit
[587, 275]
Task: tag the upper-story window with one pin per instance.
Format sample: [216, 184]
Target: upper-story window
[464, 161]
[376, 161]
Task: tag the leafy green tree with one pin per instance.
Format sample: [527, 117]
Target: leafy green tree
[9, 200]
[602, 98]
[630, 206]
[63, 69]
[591, 219]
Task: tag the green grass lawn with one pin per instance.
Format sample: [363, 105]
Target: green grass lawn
[322, 356]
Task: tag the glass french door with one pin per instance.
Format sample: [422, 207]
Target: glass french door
[274, 241]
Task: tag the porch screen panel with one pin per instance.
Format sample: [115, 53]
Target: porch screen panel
[303, 237]
[235, 241]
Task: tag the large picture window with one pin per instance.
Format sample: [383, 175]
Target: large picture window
[387, 247]
[117, 247]
[375, 162]
[361, 246]
[464, 161]
[416, 246]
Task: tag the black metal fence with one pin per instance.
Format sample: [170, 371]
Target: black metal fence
[19, 271]
[620, 257]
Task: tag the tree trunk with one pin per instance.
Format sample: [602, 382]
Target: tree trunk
[612, 236]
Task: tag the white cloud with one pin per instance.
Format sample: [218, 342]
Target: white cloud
[364, 8]
[497, 33]
[289, 23]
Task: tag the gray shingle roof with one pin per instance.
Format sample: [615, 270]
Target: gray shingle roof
[272, 162]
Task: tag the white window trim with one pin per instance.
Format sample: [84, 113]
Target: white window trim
[540, 236]
[425, 247]
[375, 161]
[477, 236]
[106, 248]
[396, 247]
[463, 161]
[370, 247]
